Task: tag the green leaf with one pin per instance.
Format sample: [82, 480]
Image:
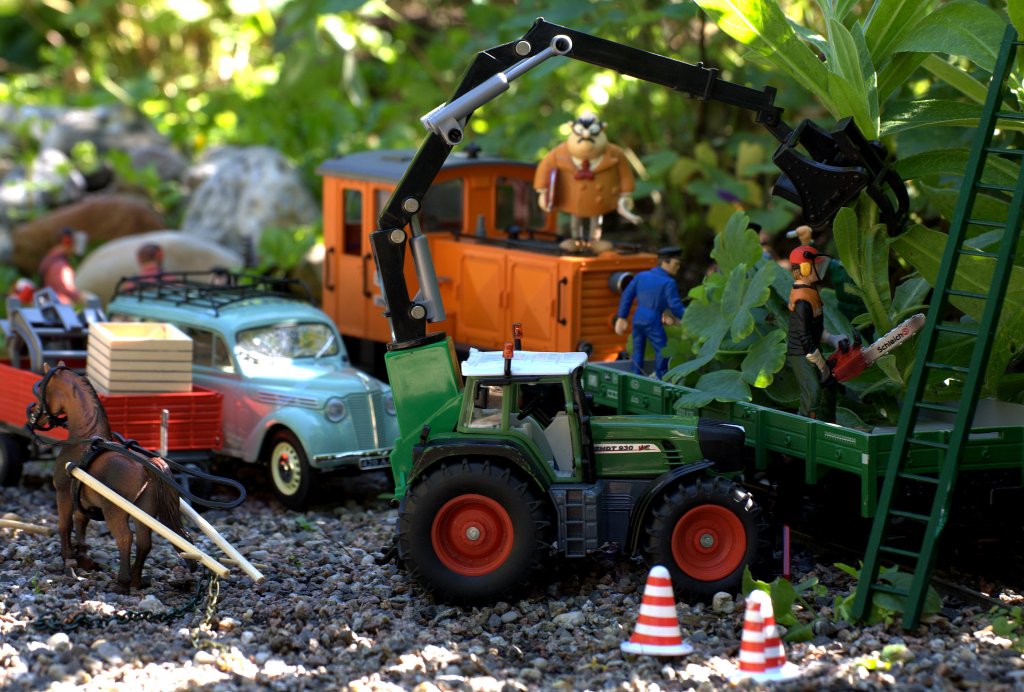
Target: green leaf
[721, 385]
[765, 359]
[888, 22]
[750, 584]
[953, 162]
[783, 597]
[907, 115]
[660, 162]
[755, 293]
[849, 101]
[852, 63]
[804, 632]
[896, 72]
[956, 78]
[736, 245]
[908, 298]
[986, 207]
[923, 248]
[1016, 11]
[763, 26]
[706, 354]
[865, 257]
[968, 29]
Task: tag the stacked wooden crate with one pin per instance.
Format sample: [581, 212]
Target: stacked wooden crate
[138, 357]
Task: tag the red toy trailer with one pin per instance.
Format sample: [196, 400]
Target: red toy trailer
[193, 424]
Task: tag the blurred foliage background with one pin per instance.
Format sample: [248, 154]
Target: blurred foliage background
[320, 78]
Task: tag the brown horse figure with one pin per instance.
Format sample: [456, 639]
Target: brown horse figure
[67, 399]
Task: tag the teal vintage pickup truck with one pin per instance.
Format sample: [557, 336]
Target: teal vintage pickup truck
[995, 444]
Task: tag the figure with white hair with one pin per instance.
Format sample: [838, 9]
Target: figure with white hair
[587, 177]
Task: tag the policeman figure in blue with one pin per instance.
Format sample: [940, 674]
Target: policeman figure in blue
[657, 303]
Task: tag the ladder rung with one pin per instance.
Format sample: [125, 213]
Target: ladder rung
[918, 477]
[956, 329]
[887, 588]
[933, 444]
[908, 515]
[976, 253]
[1005, 151]
[966, 294]
[993, 186]
[944, 408]
[946, 366]
[899, 551]
[987, 224]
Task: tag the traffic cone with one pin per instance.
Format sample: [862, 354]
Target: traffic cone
[657, 628]
[762, 656]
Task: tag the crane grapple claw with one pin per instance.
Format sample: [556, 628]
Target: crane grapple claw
[838, 165]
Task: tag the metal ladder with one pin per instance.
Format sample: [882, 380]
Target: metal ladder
[900, 482]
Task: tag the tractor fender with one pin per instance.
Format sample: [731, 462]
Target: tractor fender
[656, 487]
[511, 452]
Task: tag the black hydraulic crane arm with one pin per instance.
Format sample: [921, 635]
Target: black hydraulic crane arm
[837, 166]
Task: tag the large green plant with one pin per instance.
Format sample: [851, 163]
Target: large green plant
[731, 328]
[899, 68]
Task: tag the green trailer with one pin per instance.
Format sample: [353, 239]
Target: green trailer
[995, 443]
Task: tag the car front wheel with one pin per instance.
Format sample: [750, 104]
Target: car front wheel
[291, 476]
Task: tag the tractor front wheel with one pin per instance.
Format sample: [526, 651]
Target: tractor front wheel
[704, 532]
[472, 530]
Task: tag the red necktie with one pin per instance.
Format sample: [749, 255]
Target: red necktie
[585, 173]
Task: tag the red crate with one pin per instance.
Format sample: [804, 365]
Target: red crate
[194, 418]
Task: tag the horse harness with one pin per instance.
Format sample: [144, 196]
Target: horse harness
[96, 447]
[126, 447]
[39, 408]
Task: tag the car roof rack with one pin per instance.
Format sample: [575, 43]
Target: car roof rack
[212, 289]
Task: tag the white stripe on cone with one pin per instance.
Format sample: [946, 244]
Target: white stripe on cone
[657, 629]
[762, 656]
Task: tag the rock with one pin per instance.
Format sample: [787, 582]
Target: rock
[246, 191]
[49, 181]
[103, 217]
[151, 604]
[165, 160]
[722, 603]
[570, 620]
[114, 126]
[101, 269]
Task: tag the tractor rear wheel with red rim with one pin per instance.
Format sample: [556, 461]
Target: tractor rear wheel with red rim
[472, 530]
[705, 533]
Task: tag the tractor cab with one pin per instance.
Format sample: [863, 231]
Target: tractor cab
[534, 397]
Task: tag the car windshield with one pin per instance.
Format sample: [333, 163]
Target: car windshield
[301, 340]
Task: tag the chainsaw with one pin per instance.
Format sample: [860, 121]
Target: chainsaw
[852, 361]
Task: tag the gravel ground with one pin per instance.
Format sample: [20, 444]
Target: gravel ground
[329, 617]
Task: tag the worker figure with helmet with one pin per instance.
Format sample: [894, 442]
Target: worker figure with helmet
[806, 334]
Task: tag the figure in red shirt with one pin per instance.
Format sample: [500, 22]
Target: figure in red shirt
[56, 271]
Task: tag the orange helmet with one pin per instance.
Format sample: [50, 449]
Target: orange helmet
[807, 257]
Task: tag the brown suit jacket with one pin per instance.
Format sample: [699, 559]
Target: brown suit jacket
[586, 198]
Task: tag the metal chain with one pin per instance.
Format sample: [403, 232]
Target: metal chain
[207, 585]
[200, 641]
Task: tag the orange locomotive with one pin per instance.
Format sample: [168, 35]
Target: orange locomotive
[496, 257]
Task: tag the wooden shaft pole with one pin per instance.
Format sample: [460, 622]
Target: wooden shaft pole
[221, 542]
[139, 515]
[22, 526]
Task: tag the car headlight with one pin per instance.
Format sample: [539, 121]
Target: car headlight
[334, 410]
[389, 404]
